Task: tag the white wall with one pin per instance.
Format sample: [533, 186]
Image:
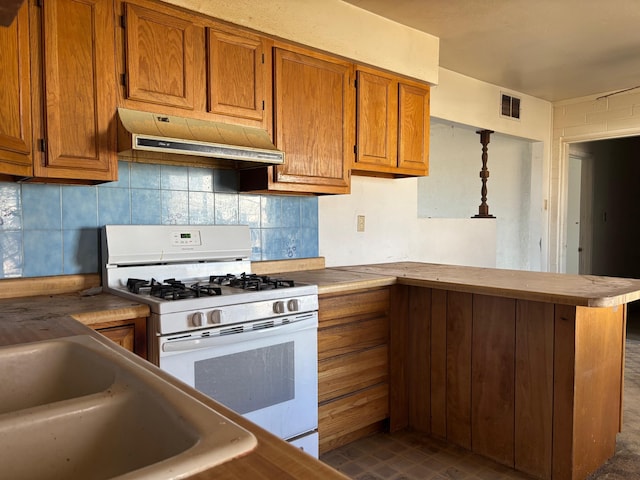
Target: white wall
[393, 231]
[333, 26]
[453, 188]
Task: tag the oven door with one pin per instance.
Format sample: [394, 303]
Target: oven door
[268, 375]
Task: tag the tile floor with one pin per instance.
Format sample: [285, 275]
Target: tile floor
[410, 455]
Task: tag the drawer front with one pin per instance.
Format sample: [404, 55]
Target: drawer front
[336, 308]
[348, 373]
[352, 337]
[353, 412]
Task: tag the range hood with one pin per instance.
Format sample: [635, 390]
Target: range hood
[146, 135]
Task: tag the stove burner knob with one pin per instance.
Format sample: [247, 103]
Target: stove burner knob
[215, 317]
[293, 305]
[196, 319]
[278, 307]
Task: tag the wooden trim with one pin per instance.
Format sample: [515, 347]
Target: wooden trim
[439, 363]
[458, 350]
[534, 388]
[419, 368]
[398, 358]
[34, 286]
[281, 266]
[105, 316]
[493, 378]
[623, 342]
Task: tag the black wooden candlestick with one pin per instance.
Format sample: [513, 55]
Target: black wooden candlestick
[483, 209]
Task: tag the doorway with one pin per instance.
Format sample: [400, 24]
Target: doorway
[603, 207]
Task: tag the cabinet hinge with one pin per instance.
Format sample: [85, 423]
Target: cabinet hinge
[123, 79]
[355, 149]
[262, 104]
[355, 83]
[123, 21]
[263, 58]
[42, 144]
[38, 3]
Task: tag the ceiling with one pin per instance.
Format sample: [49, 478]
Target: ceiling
[550, 49]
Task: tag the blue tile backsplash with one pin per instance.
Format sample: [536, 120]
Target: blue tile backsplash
[54, 229]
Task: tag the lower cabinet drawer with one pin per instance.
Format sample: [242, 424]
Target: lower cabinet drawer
[347, 414]
[348, 373]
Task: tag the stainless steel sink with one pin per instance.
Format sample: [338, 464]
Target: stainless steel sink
[75, 408]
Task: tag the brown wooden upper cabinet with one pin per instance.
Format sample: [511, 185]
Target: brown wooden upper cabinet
[159, 56]
[180, 63]
[78, 87]
[67, 70]
[392, 121]
[15, 97]
[314, 104]
[239, 76]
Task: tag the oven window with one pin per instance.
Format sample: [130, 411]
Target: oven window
[250, 380]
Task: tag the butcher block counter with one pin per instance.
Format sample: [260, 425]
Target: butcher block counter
[583, 290]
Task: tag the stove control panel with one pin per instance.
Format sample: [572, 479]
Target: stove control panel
[185, 238]
[203, 317]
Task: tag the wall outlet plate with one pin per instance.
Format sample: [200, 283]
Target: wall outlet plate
[360, 225]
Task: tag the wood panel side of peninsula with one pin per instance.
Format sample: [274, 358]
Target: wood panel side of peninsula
[535, 386]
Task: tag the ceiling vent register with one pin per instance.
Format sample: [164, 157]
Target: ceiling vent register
[509, 106]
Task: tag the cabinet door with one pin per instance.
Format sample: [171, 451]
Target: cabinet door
[123, 336]
[314, 104]
[238, 76]
[78, 84]
[413, 128]
[376, 119]
[130, 334]
[15, 97]
[159, 57]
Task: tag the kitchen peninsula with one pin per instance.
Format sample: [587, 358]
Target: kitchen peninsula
[525, 368]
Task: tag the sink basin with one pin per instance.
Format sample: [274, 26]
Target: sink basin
[75, 408]
[46, 372]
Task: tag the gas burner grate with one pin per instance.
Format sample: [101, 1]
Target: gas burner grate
[172, 289]
[135, 284]
[251, 281]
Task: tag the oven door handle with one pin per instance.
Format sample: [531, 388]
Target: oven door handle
[206, 342]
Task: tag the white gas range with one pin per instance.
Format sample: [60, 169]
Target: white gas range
[248, 341]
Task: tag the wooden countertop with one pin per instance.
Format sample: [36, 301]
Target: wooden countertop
[578, 290]
[88, 309]
[331, 280]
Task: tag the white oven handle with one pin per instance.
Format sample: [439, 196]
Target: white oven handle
[217, 340]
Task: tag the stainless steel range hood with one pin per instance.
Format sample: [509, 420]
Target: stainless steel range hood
[145, 135]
